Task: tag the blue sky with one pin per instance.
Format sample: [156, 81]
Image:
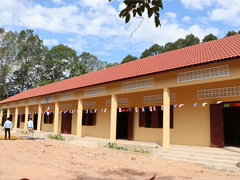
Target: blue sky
[94, 25]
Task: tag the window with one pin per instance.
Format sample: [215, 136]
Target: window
[23, 118]
[153, 119]
[89, 119]
[48, 119]
[138, 84]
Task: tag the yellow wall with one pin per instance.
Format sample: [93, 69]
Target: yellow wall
[102, 127]
[191, 125]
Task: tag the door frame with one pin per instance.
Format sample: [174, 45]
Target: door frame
[221, 130]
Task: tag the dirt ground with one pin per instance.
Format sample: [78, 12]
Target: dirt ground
[55, 160]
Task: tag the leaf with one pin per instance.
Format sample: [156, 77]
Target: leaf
[139, 11]
[127, 18]
[122, 12]
[157, 21]
[134, 12]
[150, 12]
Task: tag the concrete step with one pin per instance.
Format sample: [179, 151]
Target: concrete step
[210, 165]
[216, 156]
[207, 158]
[200, 159]
[212, 151]
[85, 143]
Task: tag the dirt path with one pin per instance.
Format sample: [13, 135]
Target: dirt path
[54, 160]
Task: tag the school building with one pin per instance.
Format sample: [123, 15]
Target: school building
[189, 96]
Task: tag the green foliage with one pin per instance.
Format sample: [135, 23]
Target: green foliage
[24, 132]
[61, 62]
[30, 55]
[230, 33]
[153, 50]
[129, 58]
[114, 146]
[91, 62]
[209, 37]
[138, 7]
[57, 137]
[140, 150]
[112, 64]
[170, 46]
[8, 53]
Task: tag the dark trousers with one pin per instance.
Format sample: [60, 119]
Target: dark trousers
[9, 135]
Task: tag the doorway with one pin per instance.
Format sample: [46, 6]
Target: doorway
[231, 125]
[66, 123]
[35, 120]
[18, 121]
[225, 124]
[125, 124]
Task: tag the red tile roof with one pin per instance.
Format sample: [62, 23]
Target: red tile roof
[217, 50]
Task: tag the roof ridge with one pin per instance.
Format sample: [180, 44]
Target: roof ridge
[220, 49]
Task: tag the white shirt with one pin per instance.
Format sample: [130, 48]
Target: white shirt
[30, 124]
[8, 124]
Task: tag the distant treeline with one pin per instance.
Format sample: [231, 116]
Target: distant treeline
[26, 63]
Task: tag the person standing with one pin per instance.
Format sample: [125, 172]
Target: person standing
[30, 127]
[8, 126]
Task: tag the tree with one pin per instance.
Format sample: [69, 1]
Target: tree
[31, 53]
[153, 50]
[61, 62]
[190, 40]
[137, 7]
[112, 64]
[170, 46]
[231, 33]
[129, 58]
[7, 60]
[209, 37]
[91, 63]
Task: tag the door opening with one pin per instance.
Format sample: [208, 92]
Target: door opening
[122, 125]
[66, 123]
[35, 120]
[231, 125]
[125, 124]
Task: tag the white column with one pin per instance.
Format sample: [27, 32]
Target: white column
[39, 122]
[26, 117]
[8, 112]
[56, 115]
[113, 125]
[79, 118]
[1, 114]
[16, 118]
[166, 118]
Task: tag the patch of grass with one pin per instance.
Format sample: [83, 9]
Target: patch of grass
[48, 145]
[141, 150]
[114, 146]
[57, 137]
[24, 132]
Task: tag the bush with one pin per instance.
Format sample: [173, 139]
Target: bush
[141, 150]
[24, 132]
[114, 146]
[57, 137]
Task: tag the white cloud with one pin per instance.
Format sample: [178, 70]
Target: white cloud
[196, 4]
[186, 19]
[171, 15]
[50, 42]
[102, 53]
[228, 12]
[219, 10]
[58, 2]
[95, 24]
